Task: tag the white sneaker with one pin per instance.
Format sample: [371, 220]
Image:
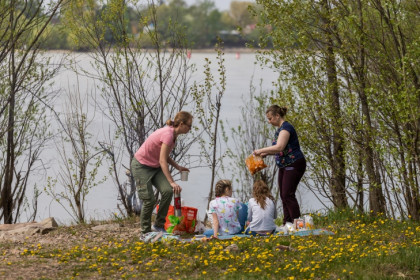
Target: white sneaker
[158, 229]
[150, 237]
[143, 237]
[156, 237]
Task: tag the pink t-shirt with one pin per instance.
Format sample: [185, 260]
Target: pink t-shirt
[149, 152]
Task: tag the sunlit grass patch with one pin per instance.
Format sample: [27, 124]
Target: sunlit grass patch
[362, 247]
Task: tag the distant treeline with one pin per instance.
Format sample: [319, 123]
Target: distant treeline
[202, 24]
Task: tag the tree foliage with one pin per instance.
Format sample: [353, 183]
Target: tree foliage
[23, 98]
[202, 23]
[349, 72]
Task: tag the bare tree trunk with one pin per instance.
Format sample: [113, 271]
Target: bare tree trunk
[415, 214]
[6, 193]
[338, 179]
[359, 188]
[388, 196]
[211, 121]
[376, 197]
[214, 154]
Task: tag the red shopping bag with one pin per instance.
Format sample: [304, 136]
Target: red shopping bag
[185, 224]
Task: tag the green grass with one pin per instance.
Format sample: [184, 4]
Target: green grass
[363, 247]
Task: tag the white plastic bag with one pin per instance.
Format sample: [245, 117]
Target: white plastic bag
[199, 227]
[209, 217]
[309, 222]
[282, 230]
[290, 227]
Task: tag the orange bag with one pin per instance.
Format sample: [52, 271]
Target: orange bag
[187, 221]
[255, 163]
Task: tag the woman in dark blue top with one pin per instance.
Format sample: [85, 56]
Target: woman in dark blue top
[289, 159]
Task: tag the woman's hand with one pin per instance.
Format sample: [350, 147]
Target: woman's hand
[259, 152]
[177, 188]
[182, 168]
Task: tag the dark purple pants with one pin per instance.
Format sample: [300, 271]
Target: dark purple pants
[289, 178]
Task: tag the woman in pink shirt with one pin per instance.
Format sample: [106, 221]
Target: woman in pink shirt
[150, 167]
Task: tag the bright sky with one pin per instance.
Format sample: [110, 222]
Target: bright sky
[221, 5]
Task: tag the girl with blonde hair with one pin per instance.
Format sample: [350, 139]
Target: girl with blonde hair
[150, 167]
[225, 212]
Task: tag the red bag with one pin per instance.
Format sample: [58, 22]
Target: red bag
[188, 220]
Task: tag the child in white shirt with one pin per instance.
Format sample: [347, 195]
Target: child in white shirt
[261, 210]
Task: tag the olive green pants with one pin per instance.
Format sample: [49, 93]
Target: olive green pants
[146, 177]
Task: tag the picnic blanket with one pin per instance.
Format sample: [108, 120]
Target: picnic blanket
[154, 236]
[308, 232]
[319, 231]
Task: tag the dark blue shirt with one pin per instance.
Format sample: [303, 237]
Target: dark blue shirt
[291, 152]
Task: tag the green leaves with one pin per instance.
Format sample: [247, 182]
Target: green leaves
[372, 46]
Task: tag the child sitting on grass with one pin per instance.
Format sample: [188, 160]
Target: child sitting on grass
[261, 210]
[226, 212]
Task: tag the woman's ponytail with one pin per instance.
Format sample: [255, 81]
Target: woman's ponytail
[170, 122]
[182, 116]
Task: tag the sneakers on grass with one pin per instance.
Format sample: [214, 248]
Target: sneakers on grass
[158, 229]
[150, 237]
[143, 237]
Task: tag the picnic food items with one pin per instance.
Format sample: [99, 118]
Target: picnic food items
[255, 163]
[299, 224]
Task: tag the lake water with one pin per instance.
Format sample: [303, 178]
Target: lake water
[102, 200]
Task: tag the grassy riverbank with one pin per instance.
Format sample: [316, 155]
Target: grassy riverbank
[362, 248]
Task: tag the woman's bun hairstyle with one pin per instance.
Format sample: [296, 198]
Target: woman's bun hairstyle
[277, 110]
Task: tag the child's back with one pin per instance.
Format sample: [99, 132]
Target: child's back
[226, 208]
[261, 210]
[261, 220]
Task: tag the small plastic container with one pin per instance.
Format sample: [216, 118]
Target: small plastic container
[184, 175]
[309, 222]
